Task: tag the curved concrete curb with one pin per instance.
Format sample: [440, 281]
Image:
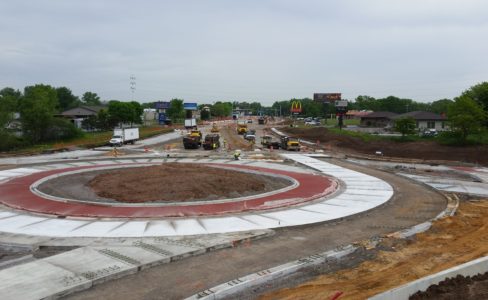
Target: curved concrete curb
[474, 267]
[240, 284]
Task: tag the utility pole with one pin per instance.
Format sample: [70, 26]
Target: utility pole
[132, 85]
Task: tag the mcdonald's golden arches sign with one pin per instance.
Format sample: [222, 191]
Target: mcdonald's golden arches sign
[296, 107]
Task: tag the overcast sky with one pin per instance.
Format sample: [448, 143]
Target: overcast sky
[259, 50]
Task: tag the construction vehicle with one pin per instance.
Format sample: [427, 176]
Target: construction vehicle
[124, 136]
[214, 128]
[261, 121]
[241, 127]
[290, 143]
[267, 142]
[250, 135]
[193, 140]
[211, 141]
[191, 123]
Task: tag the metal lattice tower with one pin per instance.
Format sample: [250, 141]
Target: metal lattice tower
[132, 85]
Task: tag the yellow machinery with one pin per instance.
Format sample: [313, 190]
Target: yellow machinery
[241, 127]
[214, 128]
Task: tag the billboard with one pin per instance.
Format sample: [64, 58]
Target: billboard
[326, 97]
[341, 103]
[296, 107]
[161, 105]
[190, 106]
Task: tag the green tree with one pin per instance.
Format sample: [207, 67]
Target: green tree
[103, 120]
[466, 116]
[405, 125]
[120, 112]
[137, 111]
[205, 114]
[91, 99]
[478, 93]
[222, 109]
[441, 106]
[176, 110]
[37, 110]
[9, 102]
[66, 99]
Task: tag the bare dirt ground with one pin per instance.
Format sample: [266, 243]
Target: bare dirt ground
[450, 242]
[234, 140]
[180, 182]
[428, 150]
[470, 288]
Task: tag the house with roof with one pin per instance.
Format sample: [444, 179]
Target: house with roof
[78, 114]
[426, 120]
[357, 114]
[378, 119]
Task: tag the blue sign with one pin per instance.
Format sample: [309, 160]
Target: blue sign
[161, 105]
[162, 118]
[190, 106]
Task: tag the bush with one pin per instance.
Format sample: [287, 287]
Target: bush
[62, 129]
[10, 141]
[455, 138]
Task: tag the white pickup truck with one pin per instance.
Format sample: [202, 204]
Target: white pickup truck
[124, 136]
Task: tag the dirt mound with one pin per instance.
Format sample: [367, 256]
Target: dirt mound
[180, 182]
[428, 150]
[459, 287]
[451, 241]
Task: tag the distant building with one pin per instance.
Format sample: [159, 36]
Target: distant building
[378, 119]
[426, 120]
[357, 114]
[78, 114]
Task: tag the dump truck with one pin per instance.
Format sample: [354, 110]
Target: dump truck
[267, 142]
[124, 136]
[192, 140]
[241, 127]
[214, 128]
[290, 143]
[211, 141]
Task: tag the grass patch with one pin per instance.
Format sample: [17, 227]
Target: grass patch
[452, 138]
[88, 140]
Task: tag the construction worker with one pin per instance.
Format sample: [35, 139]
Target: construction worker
[237, 153]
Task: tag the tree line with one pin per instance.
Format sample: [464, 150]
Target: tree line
[40, 107]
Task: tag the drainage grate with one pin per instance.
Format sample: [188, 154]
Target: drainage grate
[191, 244]
[119, 256]
[152, 248]
[101, 272]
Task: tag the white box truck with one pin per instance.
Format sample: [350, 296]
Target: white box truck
[124, 136]
[191, 123]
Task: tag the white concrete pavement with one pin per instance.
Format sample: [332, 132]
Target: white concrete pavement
[79, 269]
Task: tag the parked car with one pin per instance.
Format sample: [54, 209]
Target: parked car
[430, 133]
[313, 123]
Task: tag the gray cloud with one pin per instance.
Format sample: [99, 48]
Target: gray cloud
[252, 50]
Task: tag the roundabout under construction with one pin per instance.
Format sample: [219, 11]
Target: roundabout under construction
[292, 207]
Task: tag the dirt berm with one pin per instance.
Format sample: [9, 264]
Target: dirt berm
[428, 150]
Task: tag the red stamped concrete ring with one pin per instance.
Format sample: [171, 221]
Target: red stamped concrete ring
[17, 194]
